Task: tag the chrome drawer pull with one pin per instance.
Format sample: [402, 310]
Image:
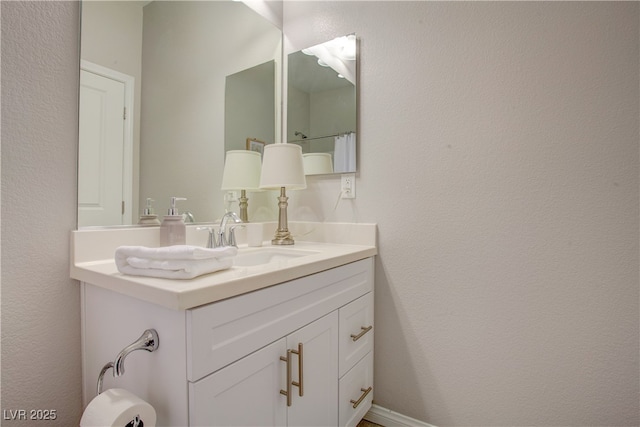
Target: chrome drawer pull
[364, 394]
[364, 331]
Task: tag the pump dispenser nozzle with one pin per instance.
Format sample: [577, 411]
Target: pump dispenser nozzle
[148, 216]
[172, 229]
[149, 209]
[173, 210]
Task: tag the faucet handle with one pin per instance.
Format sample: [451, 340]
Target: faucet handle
[232, 235]
[211, 241]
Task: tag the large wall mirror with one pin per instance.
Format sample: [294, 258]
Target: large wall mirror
[154, 118]
[321, 105]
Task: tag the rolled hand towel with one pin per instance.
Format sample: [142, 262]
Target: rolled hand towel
[173, 262]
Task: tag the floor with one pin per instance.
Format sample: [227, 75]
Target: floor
[365, 423]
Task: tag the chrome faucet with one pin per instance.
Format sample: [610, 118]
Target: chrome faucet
[231, 240]
[148, 341]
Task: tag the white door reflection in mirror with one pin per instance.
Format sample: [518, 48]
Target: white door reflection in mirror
[104, 142]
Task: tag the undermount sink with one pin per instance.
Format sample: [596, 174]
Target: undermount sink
[260, 256]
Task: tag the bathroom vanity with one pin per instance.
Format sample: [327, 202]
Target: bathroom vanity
[285, 337]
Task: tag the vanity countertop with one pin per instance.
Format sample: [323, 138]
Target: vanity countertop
[92, 262]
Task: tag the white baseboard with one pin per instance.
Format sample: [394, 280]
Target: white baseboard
[387, 418]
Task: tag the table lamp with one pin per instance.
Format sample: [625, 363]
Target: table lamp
[242, 172]
[282, 168]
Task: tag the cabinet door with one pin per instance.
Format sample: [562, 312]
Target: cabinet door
[245, 393]
[318, 405]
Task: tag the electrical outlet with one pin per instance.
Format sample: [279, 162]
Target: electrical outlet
[348, 186]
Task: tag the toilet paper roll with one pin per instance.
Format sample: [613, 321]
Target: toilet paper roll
[117, 407]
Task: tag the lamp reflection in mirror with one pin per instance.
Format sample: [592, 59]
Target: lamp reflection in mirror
[282, 168]
[242, 172]
[317, 163]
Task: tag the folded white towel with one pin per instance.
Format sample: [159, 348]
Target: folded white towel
[177, 252]
[173, 262]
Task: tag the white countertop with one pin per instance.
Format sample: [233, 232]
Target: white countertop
[92, 262]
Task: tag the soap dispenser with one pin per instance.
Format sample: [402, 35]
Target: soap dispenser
[172, 229]
[148, 216]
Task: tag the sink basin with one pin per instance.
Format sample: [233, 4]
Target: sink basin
[251, 257]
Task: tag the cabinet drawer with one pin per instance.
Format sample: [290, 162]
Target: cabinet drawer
[356, 331]
[222, 332]
[356, 389]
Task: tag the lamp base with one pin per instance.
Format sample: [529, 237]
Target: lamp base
[282, 239]
[282, 236]
[243, 204]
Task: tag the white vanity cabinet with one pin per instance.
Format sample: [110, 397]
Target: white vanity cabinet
[296, 353]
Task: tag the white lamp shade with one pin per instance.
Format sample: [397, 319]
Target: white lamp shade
[241, 170]
[317, 163]
[282, 166]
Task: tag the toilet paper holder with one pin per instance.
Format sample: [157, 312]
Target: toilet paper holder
[148, 341]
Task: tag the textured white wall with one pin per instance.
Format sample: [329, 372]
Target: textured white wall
[40, 303]
[499, 157]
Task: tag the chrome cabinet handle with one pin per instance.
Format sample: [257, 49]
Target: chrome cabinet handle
[287, 392]
[365, 392]
[364, 331]
[299, 384]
